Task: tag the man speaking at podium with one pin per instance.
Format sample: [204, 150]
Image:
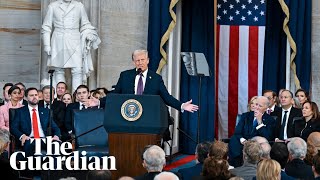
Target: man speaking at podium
[141, 80]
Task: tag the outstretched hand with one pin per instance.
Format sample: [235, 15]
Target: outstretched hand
[91, 102]
[187, 106]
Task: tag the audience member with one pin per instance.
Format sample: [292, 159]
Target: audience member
[82, 93]
[154, 159]
[103, 91]
[296, 103]
[40, 94]
[166, 176]
[62, 88]
[219, 150]
[67, 99]
[272, 97]
[280, 153]
[58, 110]
[252, 153]
[302, 96]
[284, 126]
[201, 154]
[6, 169]
[32, 121]
[268, 169]
[296, 167]
[265, 146]
[22, 94]
[257, 123]
[313, 146]
[316, 166]
[5, 89]
[125, 178]
[98, 175]
[215, 169]
[13, 103]
[252, 103]
[310, 121]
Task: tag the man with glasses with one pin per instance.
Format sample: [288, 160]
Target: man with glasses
[272, 97]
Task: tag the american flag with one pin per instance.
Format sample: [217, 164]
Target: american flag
[239, 59]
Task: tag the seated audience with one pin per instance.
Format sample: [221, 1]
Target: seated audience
[280, 153]
[154, 159]
[252, 153]
[268, 169]
[310, 122]
[302, 96]
[103, 91]
[296, 167]
[215, 169]
[67, 98]
[14, 93]
[313, 146]
[22, 93]
[201, 154]
[40, 94]
[316, 166]
[61, 88]
[256, 123]
[99, 175]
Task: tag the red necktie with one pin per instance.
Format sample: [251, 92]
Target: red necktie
[35, 124]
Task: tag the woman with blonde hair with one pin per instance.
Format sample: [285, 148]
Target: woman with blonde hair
[252, 103]
[268, 169]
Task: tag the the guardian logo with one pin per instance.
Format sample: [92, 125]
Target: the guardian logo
[61, 155]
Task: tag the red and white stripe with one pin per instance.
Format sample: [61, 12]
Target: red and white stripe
[239, 69]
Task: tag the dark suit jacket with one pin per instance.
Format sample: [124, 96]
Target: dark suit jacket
[245, 129]
[59, 111]
[290, 130]
[69, 115]
[247, 171]
[22, 122]
[297, 168]
[188, 173]
[154, 86]
[303, 129]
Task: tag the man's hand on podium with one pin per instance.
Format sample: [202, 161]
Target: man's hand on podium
[187, 106]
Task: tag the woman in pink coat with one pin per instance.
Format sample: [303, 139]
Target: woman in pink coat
[13, 92]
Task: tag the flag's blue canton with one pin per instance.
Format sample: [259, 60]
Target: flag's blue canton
[241, 12]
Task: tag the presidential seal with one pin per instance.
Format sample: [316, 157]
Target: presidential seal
[131, 110]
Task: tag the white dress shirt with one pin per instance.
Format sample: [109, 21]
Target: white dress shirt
[41, 133]
[285, 136]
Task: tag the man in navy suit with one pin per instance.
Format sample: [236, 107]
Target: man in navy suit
[202, 151]
[25, 126]
[152, 84]
[254, 123]
[82, 93]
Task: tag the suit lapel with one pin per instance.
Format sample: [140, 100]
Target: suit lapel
[42, 116]
[148, 82]
[68, 9]
[28, 119]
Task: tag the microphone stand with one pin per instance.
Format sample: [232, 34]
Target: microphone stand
[49, 130]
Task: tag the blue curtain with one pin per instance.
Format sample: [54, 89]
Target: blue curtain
[275, 44]
[197, 36]
[159, 20]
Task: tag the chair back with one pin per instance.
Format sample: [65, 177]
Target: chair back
[85, 121]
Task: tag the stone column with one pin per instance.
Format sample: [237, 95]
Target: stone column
[315, 53]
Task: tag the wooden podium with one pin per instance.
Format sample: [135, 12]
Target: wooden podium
[133, 122]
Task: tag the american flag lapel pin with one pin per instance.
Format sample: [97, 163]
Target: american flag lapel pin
[41, 112]
[149, 77]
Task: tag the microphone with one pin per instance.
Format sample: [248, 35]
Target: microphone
[51, 71]
[138, 71]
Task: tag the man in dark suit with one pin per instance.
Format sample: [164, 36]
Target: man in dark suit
[280, 153]
[202, 151]
[82, 93]
[272, 97]
[141, 80]
[284, 125]
[316, 166]
[254, 123]
[296, 167]
[58, 110]
[32, 121]
[5, 89]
